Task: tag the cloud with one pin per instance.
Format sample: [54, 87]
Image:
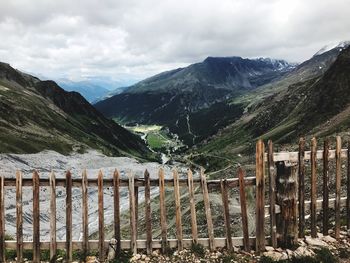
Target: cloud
[131, 39]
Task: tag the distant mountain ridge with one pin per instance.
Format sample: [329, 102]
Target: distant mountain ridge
[92, 90]
[175, 98]
[36, 115]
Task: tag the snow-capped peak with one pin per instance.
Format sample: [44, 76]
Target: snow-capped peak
[329, 47]
[279, 64]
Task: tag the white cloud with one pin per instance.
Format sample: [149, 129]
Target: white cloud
[131, 39]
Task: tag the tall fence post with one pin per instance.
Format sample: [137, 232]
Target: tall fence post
[301, 187]
[260, 197]
[313, 159]
[272, 195]
[2, 220]
[337, 187]
[287, 229]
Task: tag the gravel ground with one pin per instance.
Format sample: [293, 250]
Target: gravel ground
[48, 161]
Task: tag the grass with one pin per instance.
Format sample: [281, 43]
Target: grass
[144, 128]
[156, 140]
[198, 250]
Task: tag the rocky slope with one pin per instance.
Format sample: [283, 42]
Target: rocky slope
[37, 115]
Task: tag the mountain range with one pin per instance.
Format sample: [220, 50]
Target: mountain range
[94, 89]
[221, 105]
[190, 101]
[36, 115]
[312, 100]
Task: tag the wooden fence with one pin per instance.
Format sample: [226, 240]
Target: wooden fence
[283, 204]
[132, 184]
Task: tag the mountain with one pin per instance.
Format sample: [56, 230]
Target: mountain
[316, 105]
[37, 115]
[187, 100]
[92, 89]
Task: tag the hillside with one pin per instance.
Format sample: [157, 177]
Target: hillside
[186, 100]
[37, 115]
[318, 106]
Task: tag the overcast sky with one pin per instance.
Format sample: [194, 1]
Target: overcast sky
[134, 39]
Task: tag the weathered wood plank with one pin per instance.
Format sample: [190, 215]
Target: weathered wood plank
[19, 218]
[125, 244]
[244, 213]
[325, 207]
[287, 184]
[53, 245]
[116, 185]
[85, 214]
[101, 222]
[227, 221]
[136, 193]
[293, 156]
[301, 189]
[207, 210]
[108, 182]
[36, 218]
[192, 207]
[260, 197]
[272, 194]
[178, 215]
[148, 216]
[133, 229]
[163, 223]
[69, 246]
[337, 187]
[2, 220]
[348, 189]
[313, 187]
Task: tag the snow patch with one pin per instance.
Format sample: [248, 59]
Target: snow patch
[340, 45]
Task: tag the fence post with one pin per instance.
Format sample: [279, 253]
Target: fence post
[148, 216]
[301, 187]
[313, 159]
[2, 220]
[19, 218]
[272, 194]
[116, 185]
[243, 201]
[69, 244]
[260, 197]
[101, 226]
[337, 187]
[287, 230]
[36, 217]
[325, 205]
[85, 214]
